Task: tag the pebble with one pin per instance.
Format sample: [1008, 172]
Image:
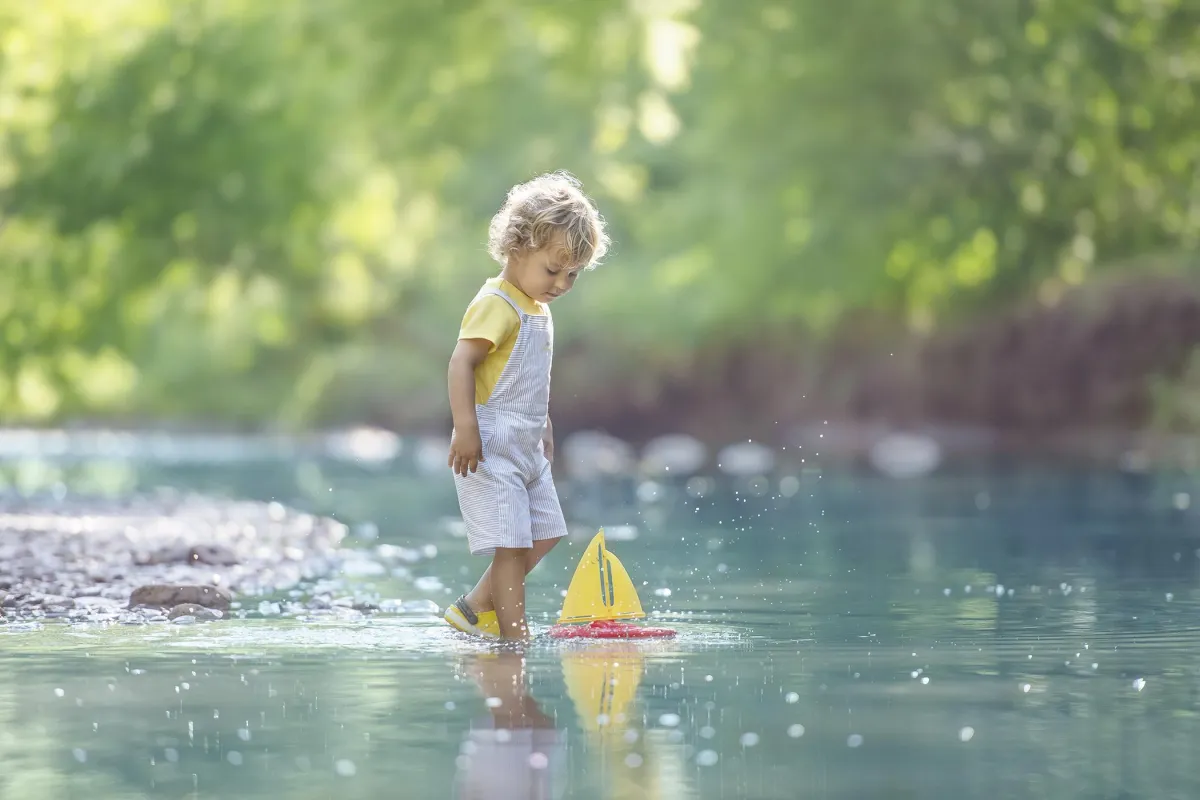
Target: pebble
[194, 612]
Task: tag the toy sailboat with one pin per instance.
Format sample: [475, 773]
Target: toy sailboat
[601, 594]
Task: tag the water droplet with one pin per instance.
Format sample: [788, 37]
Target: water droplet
[791, 697]
[1139, 684]
[1025, 687]
[708, 678]
[494, 702]
[244, 734]
[924, 680]
[795, 731]
[345, 768]
[668, 720]
[450, 705]
[633, 761]
[854, 740]
[59, 693]
[707, 732]
[966, 734]
[234, 757]
[538, 761]
[749, 739]
[80, 755]
[706, 758]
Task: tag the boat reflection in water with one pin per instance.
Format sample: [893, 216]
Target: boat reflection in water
[518, 751]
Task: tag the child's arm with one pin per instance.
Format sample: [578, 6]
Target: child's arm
[548, 439]
[466, 448]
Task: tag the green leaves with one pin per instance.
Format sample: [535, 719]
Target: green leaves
[233, 208]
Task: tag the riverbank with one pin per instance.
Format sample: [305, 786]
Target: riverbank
[153, 558]
[1107, 373]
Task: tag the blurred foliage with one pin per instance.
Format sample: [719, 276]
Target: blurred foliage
[276, 212]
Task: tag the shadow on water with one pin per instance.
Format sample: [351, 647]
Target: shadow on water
[1015, 633]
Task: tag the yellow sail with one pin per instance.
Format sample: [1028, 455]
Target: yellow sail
[600, 588]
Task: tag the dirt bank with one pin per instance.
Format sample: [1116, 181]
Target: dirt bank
[1107, 362]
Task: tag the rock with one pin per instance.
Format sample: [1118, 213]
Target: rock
[98, 603]
[594, 454]
[421, 607]
[214, 554]
[746, 459]
[269, 609]
[356, 603]
[163, 555]
[197, 612]
[169, 596]
[674, 454]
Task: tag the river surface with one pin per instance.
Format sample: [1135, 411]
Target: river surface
[988, 633]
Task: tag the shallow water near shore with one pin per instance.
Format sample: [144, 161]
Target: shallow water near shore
[1003, 633]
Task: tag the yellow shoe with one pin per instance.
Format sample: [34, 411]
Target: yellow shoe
[460, 617]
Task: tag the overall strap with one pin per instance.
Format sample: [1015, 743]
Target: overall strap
[504, 295]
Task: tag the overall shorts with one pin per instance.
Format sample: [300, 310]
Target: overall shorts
[510, 501]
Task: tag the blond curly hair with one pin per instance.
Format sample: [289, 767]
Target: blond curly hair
[540, 210]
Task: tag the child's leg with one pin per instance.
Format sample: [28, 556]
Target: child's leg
[480, 598]
[508, 590]
[502, 675]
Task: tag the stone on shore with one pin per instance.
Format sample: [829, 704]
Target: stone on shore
[197, 612]
[161, 596]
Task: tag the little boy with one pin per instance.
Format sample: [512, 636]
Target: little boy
[546, 233]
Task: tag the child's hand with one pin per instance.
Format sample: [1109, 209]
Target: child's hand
[466, 451]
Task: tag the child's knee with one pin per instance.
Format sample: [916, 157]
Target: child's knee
[511, 554]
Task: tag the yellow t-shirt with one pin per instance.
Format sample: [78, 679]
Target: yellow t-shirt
[490, 317]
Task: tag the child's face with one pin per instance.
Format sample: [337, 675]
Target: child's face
[545, 274]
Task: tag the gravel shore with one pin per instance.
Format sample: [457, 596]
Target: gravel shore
[155, 557]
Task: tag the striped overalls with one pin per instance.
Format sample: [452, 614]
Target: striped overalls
[510, 501]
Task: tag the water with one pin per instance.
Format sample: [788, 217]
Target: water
[1016, 633]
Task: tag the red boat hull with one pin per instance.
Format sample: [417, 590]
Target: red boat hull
[609, 629]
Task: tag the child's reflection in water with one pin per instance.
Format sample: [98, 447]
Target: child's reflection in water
[515, 752]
